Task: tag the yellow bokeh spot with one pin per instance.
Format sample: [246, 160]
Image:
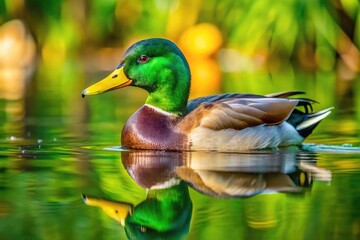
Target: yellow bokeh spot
[200, 43]
[201, 40]
[17, 47]
[54, 51]
[12, 83]
[205, 76]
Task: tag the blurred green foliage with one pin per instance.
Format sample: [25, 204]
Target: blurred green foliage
[278, 27]
[261, 47]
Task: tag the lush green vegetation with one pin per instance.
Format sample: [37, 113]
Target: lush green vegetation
[258, 46]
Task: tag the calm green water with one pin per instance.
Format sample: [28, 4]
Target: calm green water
[56, 147]
[279, 194]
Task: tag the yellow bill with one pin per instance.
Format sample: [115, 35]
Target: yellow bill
[115, 80]
[115, 210]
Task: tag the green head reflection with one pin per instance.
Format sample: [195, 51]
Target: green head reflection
[166, 213]
[167, 209]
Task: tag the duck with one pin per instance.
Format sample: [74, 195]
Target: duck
[229, 122]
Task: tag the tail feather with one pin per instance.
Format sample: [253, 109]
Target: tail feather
[307, 125]
[303, 121]
[284, 94]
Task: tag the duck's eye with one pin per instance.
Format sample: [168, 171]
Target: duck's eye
[143, 59]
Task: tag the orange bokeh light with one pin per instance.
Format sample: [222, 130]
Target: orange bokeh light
[201, 40]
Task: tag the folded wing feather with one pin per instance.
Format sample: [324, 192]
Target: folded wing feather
[238, 113]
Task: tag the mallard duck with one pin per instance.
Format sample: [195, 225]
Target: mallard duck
[224, 122]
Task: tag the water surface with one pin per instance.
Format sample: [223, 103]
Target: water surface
[300, 193]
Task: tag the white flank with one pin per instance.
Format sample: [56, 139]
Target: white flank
[258, 137]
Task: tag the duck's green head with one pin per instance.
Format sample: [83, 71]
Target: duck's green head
[156, 65]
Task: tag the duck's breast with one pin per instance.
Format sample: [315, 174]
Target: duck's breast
[151, 128]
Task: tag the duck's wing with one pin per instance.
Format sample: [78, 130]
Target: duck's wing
[237, 111]
[194, 103]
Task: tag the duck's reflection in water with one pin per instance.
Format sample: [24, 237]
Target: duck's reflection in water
[166, 211]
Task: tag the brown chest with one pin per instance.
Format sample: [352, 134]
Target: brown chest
[152, 129]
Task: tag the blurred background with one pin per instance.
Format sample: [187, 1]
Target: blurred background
[51, 50]
[52, 141]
